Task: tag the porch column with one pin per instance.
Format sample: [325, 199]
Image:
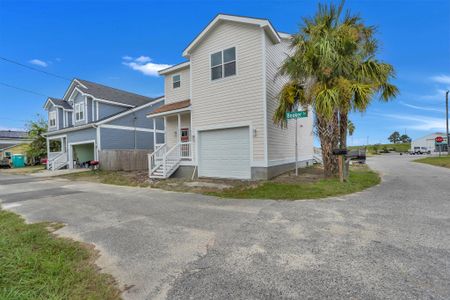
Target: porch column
[179, 129]
[154, 135]
[165, 130]
[48, 150]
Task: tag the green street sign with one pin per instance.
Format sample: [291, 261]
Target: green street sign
[296, 114]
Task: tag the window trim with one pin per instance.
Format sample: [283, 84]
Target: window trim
[53, 112]
[79, 104]
[173, 81]
[223, 64]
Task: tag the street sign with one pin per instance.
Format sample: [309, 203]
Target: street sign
[439, 139]
[296, 114]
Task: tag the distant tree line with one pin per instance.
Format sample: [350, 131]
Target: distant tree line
[396, 138]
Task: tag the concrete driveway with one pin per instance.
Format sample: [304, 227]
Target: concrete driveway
[391, 241]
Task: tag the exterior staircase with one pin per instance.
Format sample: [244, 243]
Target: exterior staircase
[58, 162]
[163, 162]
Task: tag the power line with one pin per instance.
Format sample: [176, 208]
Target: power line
[22, 89]
[34, 69]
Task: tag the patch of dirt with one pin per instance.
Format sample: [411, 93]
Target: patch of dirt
[305, 175]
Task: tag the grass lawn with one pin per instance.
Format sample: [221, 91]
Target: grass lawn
[443, 161]
[35, 264]
[360, 178]
[24, 170]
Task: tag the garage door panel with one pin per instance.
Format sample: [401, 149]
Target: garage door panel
[225, 153]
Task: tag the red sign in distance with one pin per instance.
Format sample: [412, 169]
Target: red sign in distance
[439, 139]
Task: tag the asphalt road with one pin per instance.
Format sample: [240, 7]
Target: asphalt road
[389, 242]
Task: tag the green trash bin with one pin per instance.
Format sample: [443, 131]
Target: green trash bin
[18, 160]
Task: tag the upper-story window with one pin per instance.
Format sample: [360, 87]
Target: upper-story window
[223, 63]
[176, 81]
[79, 111]
[52, 119]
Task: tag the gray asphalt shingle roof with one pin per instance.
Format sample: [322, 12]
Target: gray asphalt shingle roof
[61, 102]
[111, 94]
[11, 134]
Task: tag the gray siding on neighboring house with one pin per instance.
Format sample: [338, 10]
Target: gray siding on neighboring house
[105, 110]
[160, 138]
[125, 139]
[138, 118]
[89, 115]
[60, 118]
[159, 122]
[81, 135]
[69, 119]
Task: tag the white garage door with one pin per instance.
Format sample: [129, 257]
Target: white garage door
[224, 153]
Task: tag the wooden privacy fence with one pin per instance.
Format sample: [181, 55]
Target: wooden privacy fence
[124, 160]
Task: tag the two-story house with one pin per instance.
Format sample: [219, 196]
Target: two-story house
[93, 117]
[219, 106]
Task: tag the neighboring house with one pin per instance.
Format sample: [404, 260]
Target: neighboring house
[93, 117]
[13, 142]
[428, 143]
[219, 106]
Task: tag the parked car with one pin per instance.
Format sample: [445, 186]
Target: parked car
[5, 163]
[419, 151]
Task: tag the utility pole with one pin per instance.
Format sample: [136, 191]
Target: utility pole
[446, 122]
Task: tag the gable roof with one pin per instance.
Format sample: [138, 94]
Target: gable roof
[58, 102]
[12, 134]
[263, 23]
[104, 92]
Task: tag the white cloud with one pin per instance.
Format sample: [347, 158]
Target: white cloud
[143, 59]
[38, 62]
[144, 65]
[126, 57]
[419, 122]
[421, 107]
[445, 79]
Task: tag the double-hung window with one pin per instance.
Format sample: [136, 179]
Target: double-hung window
[176, 81]
[223, 63]
[52, 119]
[79, 111]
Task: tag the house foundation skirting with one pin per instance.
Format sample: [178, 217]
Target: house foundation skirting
[257, 173]
[265, 173]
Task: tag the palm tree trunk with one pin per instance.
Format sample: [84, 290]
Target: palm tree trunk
[328, 141]
[343, 126]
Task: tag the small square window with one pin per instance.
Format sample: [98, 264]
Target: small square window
[223, 63]
[229, 69]
[216, 59]
[216, 72]
[229, 55]
[176, 81]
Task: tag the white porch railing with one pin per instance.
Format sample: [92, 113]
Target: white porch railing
[163, 162]
[58, 161]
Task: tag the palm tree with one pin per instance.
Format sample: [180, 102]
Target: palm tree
[350, 127]
[332, 69]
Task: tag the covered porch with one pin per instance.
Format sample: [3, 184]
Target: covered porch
[178, 148]
[57, 154]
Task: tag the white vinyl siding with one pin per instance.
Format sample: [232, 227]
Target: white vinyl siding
[177, 94]
[224, 153]
[172, 127]
[281, 146]
[236, 98]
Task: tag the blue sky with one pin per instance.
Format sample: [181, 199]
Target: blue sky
[122, 43]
